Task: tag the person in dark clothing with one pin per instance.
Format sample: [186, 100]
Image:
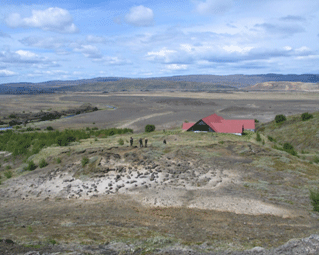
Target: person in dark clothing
[141, 142]
[164, 141]
[131, 141]
[146, 140]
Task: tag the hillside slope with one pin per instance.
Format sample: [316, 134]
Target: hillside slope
[284, 86]
[303, 135]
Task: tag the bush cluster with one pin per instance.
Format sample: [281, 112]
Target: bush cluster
[314, 196]
[258, 138]
[149, 128]
[84, 161]
[31, 166]
[8, 174]
[306, 116]
[280, 118]
[43, 163]
[271, 139]
[287, 147]
[121, 141]
[31, 143]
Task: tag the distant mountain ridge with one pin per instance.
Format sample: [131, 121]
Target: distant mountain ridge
[184, 82]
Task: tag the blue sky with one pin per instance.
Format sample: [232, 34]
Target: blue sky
[57, 39]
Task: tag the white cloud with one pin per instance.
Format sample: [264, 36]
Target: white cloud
[52, 19]
[288, 48]
[302, 49]
[45, 42]
[235, 48]
[214, 7]
[24, 54]
[95, 39]
[89, 51]
[140, 16]
[5, 72]
[186, 47]
[176, 67]
[163, 54]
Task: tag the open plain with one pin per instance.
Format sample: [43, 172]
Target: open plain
[199, 193]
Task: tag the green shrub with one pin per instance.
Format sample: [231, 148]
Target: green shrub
[306, 116]
[280, 118]
[271, 139]
[314, 196]
[287, 147]
[315, 159]
[58, 160]
[17, 127]
[8, 167]
[30, 129]
[84, 161]
[12, 116]
[221, 142]
[256, 121]
[121, 141]
[8, 174]
[263, 142]
[93, 123]
[31, 166]
[43, 163]
[149, 128]
[52, 241]
[258, 138]
[49, 128]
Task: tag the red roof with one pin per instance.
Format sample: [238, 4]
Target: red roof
[220, 125]
[188, 125]
[227, 126]
[213, 118]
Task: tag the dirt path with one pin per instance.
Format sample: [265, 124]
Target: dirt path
[129, 124]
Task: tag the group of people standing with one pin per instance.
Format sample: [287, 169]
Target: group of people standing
[141, 141]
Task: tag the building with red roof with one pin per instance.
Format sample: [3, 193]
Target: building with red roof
[215, 123]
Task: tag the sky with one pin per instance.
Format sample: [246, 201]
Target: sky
[68, 40]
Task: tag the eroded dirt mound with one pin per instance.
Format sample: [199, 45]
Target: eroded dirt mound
[167, 181]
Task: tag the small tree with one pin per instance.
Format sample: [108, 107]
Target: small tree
[85, 161]
[121, 141]
[149, 128]
[289, 148]
[258, 138]
[31, 166]
[256, 121]
[280, 118]
[314, 196]
[43, 163]
[306, 116]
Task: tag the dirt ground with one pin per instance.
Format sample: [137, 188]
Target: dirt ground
[204, 192]
[164, 110]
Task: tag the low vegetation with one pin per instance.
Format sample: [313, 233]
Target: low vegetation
[306, 116]
[149, 128]
[280, 118]
[84, 161]
[258, 138]
[314, 196]
[8, 174]
[121, 141]
[31, 166]
[31, 143]
[43, 163]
